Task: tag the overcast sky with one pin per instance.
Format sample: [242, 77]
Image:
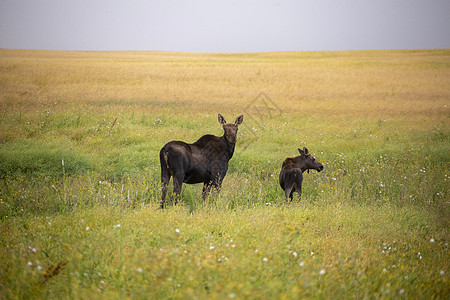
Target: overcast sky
[224, 26]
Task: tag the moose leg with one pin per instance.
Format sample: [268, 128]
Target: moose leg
[177, 184]
[217, 188]
[165, 178]
[217, 184]
[165, 186]
[206, 190]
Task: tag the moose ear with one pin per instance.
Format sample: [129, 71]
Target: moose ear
[239, 120]
[301, 151]
[222, 120]
[305, 150]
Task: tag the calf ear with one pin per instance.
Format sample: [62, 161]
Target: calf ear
[222, 120]
[301, 151]
[305, 150]
[239, 120]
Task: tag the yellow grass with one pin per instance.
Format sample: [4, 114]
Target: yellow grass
[370, 83]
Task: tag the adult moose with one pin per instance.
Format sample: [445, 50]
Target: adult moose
[205, 161]
[291, 175]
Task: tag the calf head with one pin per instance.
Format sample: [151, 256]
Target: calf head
[230, 130]
[309, 162]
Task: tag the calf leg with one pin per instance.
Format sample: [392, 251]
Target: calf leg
[291, 195]
[298, 185]
[288, 192]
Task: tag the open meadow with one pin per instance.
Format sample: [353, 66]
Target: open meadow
[80, 134]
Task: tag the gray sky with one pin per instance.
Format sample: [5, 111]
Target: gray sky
[224, 26]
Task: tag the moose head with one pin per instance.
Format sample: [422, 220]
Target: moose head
[308, 161]
[230, 130]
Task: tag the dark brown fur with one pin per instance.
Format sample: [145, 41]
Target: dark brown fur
[291, 175]
[205, 161]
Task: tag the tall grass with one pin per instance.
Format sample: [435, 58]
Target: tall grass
[295, 251]
[80, 134]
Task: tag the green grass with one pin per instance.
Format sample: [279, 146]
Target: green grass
[373, 224]
[293, 251]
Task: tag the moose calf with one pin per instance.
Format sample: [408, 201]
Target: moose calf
[291, 175]
[205, 161]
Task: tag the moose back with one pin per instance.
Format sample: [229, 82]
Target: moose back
[205, 161]
[291, 175]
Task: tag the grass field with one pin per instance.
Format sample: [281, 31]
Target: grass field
[80, 134]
